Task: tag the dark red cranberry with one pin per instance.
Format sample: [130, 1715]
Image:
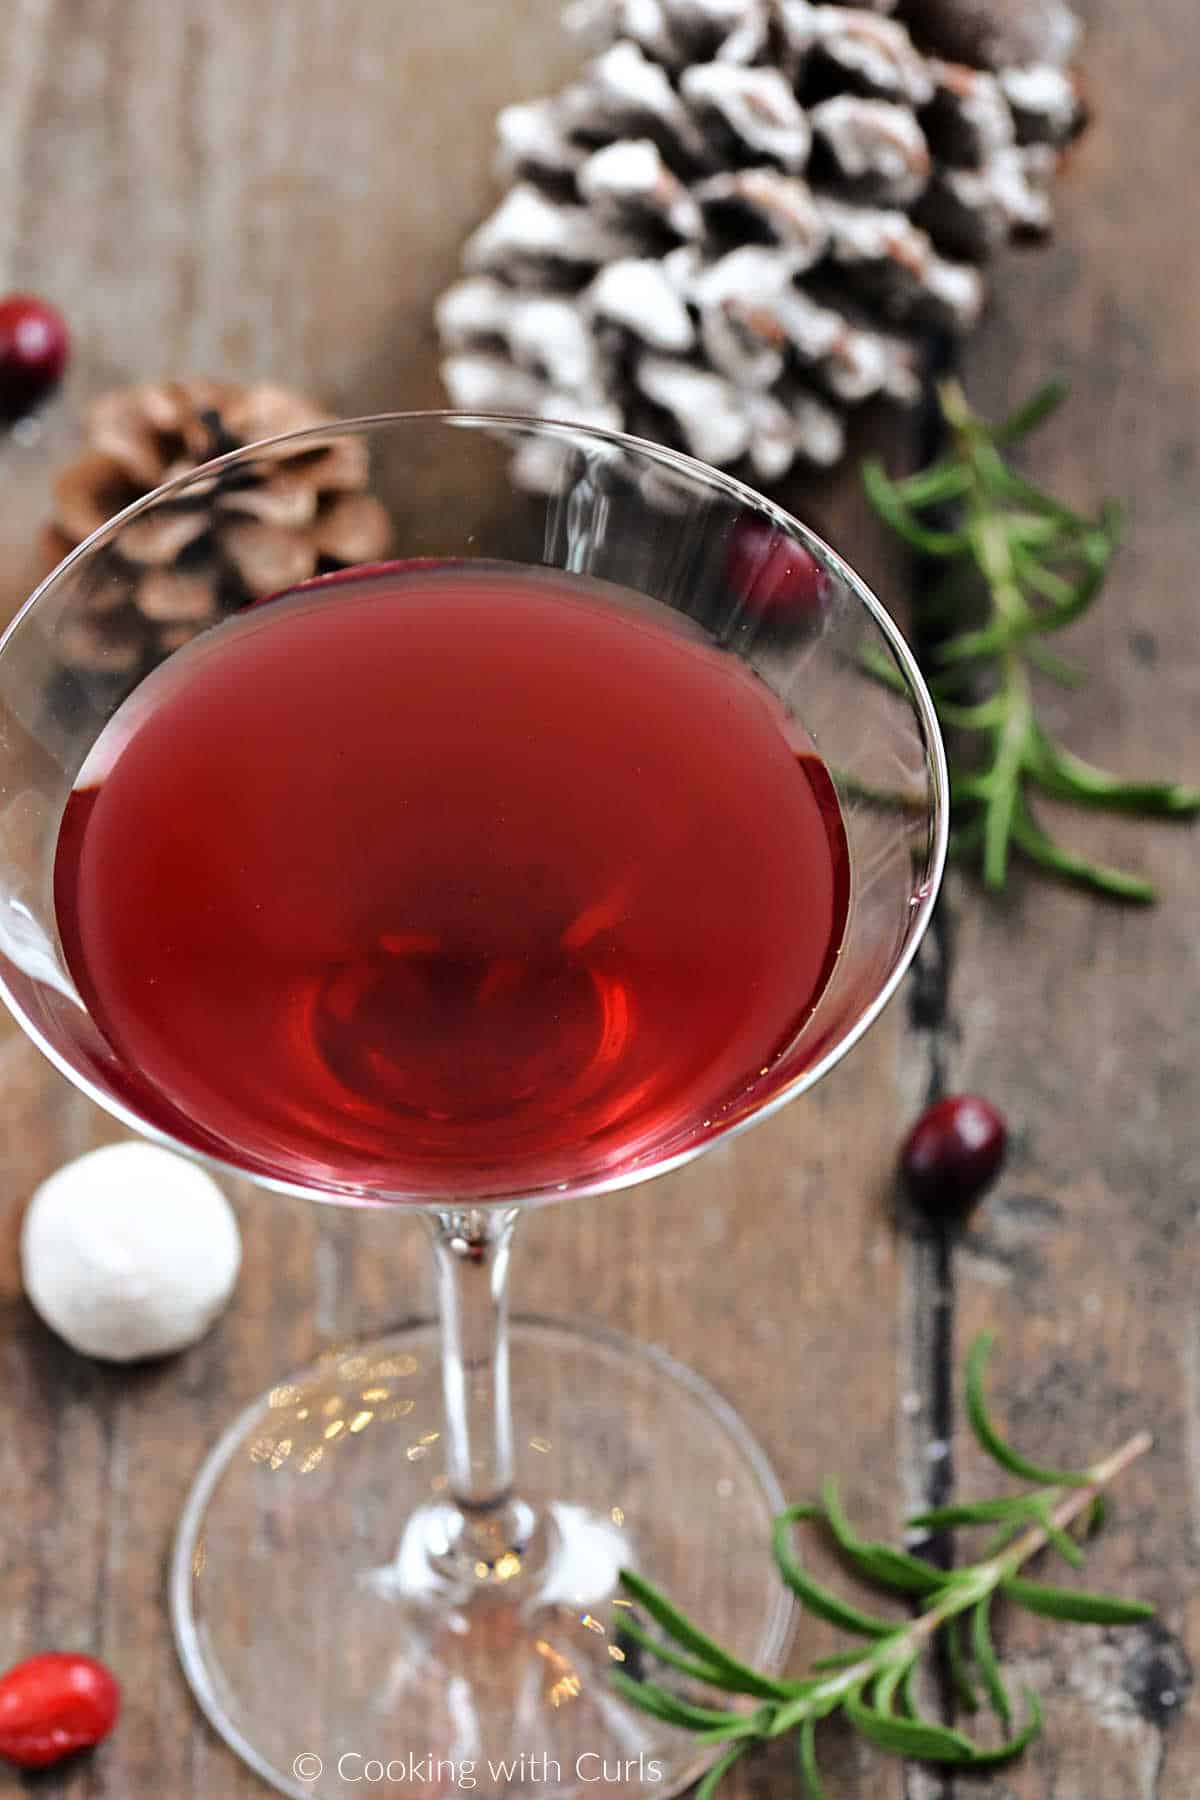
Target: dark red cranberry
[34, 348]
[953, 1153]
[774, 576]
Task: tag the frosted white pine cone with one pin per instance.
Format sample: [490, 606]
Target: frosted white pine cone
[742, 217]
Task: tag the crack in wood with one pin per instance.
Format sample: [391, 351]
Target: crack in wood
[931, 1351]
[931, 1261]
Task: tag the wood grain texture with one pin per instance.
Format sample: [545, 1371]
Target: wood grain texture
[1080, 1019]
[281, 190]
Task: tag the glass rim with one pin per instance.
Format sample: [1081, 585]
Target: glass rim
[702, 474]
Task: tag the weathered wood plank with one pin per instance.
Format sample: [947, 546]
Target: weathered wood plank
[1079, 1018]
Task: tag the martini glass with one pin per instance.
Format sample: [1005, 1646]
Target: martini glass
[398, 1568]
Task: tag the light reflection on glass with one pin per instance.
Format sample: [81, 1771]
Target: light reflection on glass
[568, 1684]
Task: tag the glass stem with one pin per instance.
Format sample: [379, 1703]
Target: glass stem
[471, 1252]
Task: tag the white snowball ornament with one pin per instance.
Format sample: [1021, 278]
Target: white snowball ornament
[129, 1252]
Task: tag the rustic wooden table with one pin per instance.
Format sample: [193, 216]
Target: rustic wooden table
[280, 190]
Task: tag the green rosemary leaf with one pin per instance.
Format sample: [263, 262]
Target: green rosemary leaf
[1039, 530]
[908, 1737]
[1015, 1746]
[675, 1711]
[968, 785]
[889, 1568]
[818, 1599]
[720, 1734]
[981, 717]
[816, 1706]
[1102, 878]
[1000, 808]
[984, 1652]
[1066, 1546]
[999, 1540]
[1097, 1516]
[720, 1770]
[1006, 484]
[727, 1674]
[812, 1787]
[1067, 674]
[990, 1439]
[1048, 583]
[888, 1685]
[1015, 1508]
[1080, 598]
[1035, 411]
[935, 486]
[1105, 534]
[724, 1670]
[977, 646]
[960, 1673]
[908, 1692]
[845, 1659]
[1069, 777]
[885, 498]
[1074, 1603]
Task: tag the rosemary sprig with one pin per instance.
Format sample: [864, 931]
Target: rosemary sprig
[872, 1685]
[1038, 565]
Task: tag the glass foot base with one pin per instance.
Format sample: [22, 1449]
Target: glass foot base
[340, 1647]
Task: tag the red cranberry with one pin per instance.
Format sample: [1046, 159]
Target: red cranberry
[953, 1153]
[53, 1705]
[34, 348]
[773, 575]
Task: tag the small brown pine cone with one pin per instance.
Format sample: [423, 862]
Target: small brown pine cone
[237, 536]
